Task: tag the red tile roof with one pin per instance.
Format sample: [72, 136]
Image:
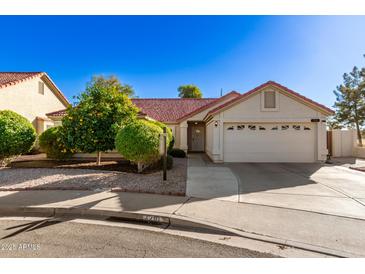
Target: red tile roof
[169, 109]
[272, 83]
[164, 109]
[12, 78]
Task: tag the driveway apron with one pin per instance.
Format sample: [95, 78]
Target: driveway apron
[210, 181]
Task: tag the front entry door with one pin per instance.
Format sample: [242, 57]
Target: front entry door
[197, 138]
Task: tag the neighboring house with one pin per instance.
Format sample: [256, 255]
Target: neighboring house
[32, 95]
[270, 123]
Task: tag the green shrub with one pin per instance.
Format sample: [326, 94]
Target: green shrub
[177, 153]
[170, 137]
[17, 136]
[139, 142]
[171, 145]
[52, 143]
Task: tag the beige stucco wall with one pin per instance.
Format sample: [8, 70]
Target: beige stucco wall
[209, 139]
[174, 128]
[359, 152]
[24, 99]
[289, 110]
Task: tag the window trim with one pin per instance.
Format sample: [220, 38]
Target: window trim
[263, 100]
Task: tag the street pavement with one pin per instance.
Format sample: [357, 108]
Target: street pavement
[325, 233]
[41, 239]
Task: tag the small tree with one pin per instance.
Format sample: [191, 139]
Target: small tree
[189, 91]
[114, 82]
[102, 108]
[17, 136]
[350, 101]
[139, 142]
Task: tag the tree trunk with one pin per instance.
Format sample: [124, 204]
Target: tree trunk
[358, 131]
[98, 158]
[140, 167]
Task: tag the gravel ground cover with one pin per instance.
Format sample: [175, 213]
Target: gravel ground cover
[66, 178]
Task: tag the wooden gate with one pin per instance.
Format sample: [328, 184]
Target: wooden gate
[329, 142]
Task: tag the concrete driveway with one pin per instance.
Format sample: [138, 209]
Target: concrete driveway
[330, 189]
[210, 181]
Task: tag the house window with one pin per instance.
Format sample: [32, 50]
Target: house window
[285, 127]
[262, 128]
[269, 99]
[307, 128]
[230, 128]
[275, 128]
[240, 127]
[252, 127]
[41, 88]
[296, 127]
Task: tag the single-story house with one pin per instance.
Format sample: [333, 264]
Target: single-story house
[270, 123]
[32, 95]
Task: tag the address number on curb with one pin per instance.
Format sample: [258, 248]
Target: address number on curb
[152, 219]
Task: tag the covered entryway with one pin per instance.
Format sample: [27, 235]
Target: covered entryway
[196, 136]
[264, 142]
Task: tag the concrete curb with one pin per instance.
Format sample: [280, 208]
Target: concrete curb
[168, 220]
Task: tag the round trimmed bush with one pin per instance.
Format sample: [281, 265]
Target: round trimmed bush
[139, 142]
[17, 136]
[177, 153]
[170, 137]
[51, 142]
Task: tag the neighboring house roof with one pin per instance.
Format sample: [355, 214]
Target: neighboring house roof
[269, 83]
[171, 110]
[58, 113]
[14, 78]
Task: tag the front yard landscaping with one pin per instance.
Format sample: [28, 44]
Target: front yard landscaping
[103, 119]
[42, 174]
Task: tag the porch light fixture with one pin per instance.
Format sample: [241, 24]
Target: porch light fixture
[216, 123]
[195, 123]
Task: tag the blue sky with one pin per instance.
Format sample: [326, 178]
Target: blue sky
[156, 54]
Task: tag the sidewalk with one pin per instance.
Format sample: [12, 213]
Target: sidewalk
[307, 230]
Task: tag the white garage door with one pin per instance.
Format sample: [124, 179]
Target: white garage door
[269, 142]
